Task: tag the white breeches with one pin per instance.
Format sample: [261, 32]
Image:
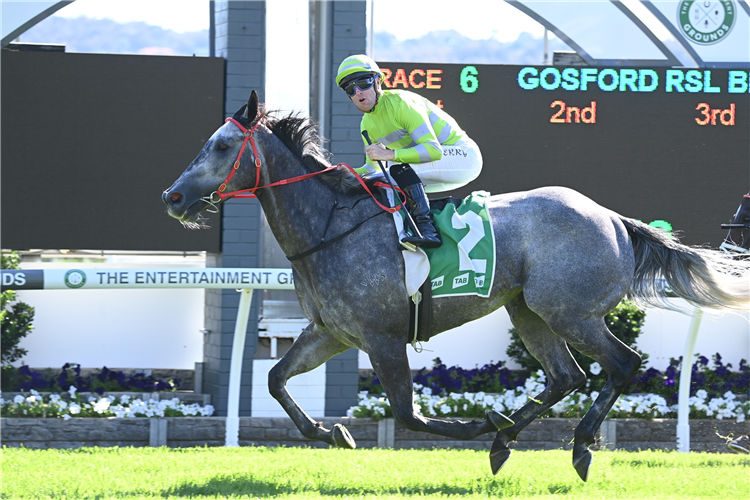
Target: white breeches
[461, 163]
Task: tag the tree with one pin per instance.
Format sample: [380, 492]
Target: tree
[15, 318]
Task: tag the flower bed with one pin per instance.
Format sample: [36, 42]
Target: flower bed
[70, 405]
[467, 404]
[85, 380]
[714, 377]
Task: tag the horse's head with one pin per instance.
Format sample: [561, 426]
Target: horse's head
[738, 238]
[215, 171]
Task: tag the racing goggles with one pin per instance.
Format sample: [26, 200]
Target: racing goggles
[363, 83]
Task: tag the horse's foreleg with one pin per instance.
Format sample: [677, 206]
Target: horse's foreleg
[563, 375]
[391, 363]
[313, 348]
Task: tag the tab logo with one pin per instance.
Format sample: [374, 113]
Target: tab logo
[460, 281]
[479, 281]
[437, 282]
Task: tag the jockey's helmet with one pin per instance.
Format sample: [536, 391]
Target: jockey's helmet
[354, 67]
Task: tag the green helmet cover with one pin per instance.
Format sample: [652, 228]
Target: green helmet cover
[358, 63]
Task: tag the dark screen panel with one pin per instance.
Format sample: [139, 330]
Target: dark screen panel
[658, 144]
[89, 142]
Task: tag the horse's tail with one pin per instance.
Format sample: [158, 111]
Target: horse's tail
[703, 277]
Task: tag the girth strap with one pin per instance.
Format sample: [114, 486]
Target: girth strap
[420, 316]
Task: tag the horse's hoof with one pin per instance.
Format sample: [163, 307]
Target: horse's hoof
[498, 459]
[342, 438]
[499, 420]
[582, 462]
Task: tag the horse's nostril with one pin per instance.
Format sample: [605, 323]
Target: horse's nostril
[176, 197]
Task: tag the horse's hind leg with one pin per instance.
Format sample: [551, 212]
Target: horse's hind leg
[563, 375]
[620, 362]
[313, 348]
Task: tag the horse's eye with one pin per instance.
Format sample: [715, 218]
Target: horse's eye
[222, 147]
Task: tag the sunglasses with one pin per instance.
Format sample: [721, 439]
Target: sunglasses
[363, 83]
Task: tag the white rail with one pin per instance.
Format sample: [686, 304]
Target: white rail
[244, 280]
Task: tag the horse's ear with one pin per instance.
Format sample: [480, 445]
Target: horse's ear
[251, 111]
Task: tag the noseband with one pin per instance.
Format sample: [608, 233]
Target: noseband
[219, 195]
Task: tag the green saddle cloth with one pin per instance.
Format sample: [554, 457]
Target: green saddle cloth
[465, 263]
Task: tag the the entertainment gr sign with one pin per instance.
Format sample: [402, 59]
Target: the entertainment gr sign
[86, 279]
[705, 23]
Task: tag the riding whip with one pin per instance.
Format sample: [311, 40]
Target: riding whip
[409, 220]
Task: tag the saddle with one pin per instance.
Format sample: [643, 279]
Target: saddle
[420, 310]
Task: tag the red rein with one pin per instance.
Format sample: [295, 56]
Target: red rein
[250, 193]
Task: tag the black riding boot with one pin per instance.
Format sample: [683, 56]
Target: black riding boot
[418, 205]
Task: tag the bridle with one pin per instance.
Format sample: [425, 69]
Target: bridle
[220, 195]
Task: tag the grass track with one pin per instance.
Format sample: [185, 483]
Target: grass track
[267, 473]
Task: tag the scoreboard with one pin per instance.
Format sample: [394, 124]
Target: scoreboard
[667, 146]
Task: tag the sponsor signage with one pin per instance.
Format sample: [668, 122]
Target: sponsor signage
[86, 279]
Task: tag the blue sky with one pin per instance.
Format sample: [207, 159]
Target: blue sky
[478, 19]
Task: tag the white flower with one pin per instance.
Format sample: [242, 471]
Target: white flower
[72, 390]
[19, 399]
[101, 406]
[701, 394]
[67, 417]
[75, 408]
[595, 368]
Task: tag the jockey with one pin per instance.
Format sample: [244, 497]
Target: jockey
[426, 150]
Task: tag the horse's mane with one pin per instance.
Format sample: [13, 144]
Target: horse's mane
[300, 135]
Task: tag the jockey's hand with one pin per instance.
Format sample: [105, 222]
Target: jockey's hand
[379, 152]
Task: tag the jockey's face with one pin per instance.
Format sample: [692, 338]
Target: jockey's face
[365, 99]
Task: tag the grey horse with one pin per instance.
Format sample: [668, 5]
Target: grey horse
[349, 276]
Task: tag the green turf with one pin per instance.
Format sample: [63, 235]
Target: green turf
[202, 473]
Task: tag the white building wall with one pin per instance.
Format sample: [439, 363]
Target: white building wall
[148, 328]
